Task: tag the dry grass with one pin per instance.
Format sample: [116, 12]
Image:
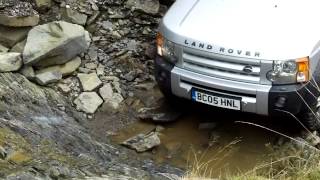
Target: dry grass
[303, 164]
[202, 168]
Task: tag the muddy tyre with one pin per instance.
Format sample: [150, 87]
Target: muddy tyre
[174, 101]
[311, 119]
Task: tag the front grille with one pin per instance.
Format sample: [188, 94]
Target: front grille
[225, 67]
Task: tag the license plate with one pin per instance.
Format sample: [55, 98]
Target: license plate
[217, 100]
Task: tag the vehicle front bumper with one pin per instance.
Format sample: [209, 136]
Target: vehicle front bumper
[256, 98]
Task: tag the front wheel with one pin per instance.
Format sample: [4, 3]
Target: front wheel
[311, 118]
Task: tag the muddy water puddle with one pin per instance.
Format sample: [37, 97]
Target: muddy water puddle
[229, 147]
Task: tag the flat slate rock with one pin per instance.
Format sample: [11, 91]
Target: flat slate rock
[88, 102]
[142, 143]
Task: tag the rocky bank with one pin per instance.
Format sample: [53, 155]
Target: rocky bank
[68, 66]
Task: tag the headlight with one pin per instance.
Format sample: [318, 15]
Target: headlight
[166, 49]
[290, 72]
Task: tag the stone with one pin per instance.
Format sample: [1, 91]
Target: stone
[59, 172]
[100, 70]
[116, 35]
[106, 91]
[89, 82]
[115, 101]
[28, 72]
[92, 53]
[19, 47]
[48, 77]
[107, 25]
[10, 36]
[130, 76]
[111, 78]
[43, 4]
[88, 102]
[143, 143]
[146, 6]
[85, 70]
[66, 42]
[91, 66]
[111, 98]
[19, 15]
[10, 62]
[116, 86]
[64, 88]
[73, 16]
[65, 69]
[159, 128]
[3, 49]
[93, 18]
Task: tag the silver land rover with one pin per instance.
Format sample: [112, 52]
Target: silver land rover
[257, 56]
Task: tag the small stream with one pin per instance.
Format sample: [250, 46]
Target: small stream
[227, 148]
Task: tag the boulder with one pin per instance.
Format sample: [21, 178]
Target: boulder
[65, 69]
[66, 42]
[74, 16]
[88, 102]
[21, 14]
[89, 82]
[48, 77]
[10, 62]
[10, 36]
[146, 6]
[142, 143]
